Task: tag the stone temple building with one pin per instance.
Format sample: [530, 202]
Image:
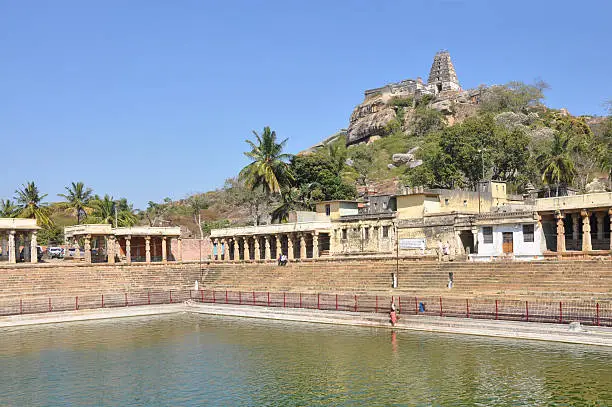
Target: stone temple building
[442, 77]
[483, 225]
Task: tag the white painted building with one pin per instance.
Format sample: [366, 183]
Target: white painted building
[509, 235]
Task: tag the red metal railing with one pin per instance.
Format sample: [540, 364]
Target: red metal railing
[586, 312]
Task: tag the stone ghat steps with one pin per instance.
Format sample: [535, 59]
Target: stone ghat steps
[579, 280]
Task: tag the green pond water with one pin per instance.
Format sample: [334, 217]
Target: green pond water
[197, 360]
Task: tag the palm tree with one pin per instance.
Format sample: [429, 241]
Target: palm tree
[8, 209]
[107, 210]
[77, 198]
[269, 168]
[557, 165]
[31, 205]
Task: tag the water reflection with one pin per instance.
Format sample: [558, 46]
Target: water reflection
[200, 360]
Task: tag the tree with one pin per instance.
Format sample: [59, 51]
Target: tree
[107, 210]
[269, 169]
[196, 204]
[317, 178]
[556, 164]
[8, 209]
[31, 205]
[77, 198]
[239, 195]
[513, 96]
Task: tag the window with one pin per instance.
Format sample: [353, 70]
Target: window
[528, 233]
[344, 234]
[327, 209]
[385, 231]
[487, 234]
[366, 233]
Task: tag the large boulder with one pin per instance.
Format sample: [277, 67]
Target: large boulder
[369, 119]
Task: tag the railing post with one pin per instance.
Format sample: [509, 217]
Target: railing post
[202, 295]
[527, 311]
[76, 303]
[126, 301]
[467, 308]
[284, 300]
[149, 297]
[336, 302]
[239, 297]
[20, 306]
[318, 301]
[170, 296]
[102, 301]
[226, 296]
[560, 312]
[253, 297]
[399, 303]
[50, 309]
[376, 309]
[355, 302]
[214, 299]
[268, 298]
[440, 306]
[416, 306]
[300, 300]
[496, 309]
[597, 313]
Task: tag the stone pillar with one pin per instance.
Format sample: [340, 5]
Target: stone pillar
[560, 232]
[610, 217]
[279, 247]
[179, 249]
[128, 249]
[236, 249]
[257, 248]
[33, 249]
[586, 231]
[290, 253]
[267, 253]
[148, 249]
[575, 228]
[164, 250]
[88, 248]
[475, 238]
[247, 250]
[302, 246]
[11, 247]
[315, 245]
[110, 249]
[600, 225]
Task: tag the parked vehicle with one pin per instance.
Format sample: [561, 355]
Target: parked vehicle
[55, 252]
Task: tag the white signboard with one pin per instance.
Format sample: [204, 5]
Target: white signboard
[412, 243]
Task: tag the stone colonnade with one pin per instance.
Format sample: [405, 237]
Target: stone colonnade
[11, 242]
[145, 248]
[297, 245]
[582, 222]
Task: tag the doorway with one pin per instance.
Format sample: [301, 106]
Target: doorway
[507, 243]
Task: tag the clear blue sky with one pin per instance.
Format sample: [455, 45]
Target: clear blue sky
[146, 99]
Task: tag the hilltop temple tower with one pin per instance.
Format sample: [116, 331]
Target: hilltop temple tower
[442, 75]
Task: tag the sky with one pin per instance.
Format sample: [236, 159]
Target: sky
[147, 99]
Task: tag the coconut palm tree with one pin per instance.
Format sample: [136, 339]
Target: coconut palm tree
[556, 164]
[8, 209]
[107, 210]
[31, 205]
[269, 168]
[77, 198]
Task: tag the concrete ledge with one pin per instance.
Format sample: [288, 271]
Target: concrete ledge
[588, 335]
